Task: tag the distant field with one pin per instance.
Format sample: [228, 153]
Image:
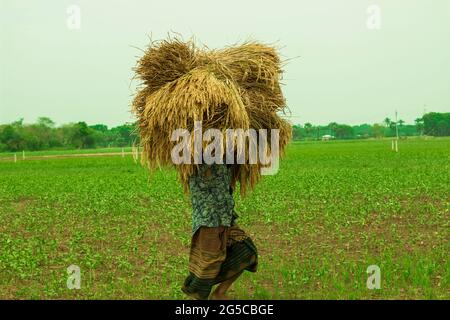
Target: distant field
[62, 152]
[333, 209]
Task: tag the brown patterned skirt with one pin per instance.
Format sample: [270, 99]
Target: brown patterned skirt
[216, 255]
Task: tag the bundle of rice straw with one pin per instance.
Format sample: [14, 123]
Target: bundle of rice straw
[235, 87]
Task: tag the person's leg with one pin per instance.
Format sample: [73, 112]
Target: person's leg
[222, 288]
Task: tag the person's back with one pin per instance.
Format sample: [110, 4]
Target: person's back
[212, 200]
[220, 250]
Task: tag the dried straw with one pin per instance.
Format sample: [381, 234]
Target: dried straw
[235, 87]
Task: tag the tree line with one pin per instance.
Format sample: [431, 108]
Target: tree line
[44, 135]
[431, 124]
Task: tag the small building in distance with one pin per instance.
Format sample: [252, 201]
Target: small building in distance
[327, 137]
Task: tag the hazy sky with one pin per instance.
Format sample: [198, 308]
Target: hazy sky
[345, 72]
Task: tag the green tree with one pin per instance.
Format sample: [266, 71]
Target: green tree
[297, 132]
[419, 125]
[436, 124]
[46, 122]
[11, 138]
[344, 131]
[363, 130]
[308, 128]
[99, 127]
[81, 136]
[377, 130]
[332, 126]
[124, 135]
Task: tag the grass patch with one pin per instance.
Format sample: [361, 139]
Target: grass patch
[333, 209]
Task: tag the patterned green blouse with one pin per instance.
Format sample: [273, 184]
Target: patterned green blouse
[212, 197]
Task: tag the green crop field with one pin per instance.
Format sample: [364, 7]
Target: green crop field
[333, 209]
[10, 155]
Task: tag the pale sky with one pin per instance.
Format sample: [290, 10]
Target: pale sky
[345, 72]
